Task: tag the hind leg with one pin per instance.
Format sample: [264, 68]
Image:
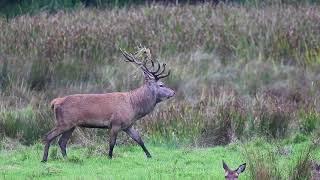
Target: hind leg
[64, 140]
[113, 138]
[50, 137]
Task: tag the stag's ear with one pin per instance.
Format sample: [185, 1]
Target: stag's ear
[225, 166]
[241, 168]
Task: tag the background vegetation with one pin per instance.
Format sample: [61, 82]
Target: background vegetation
[11, 8]
[241, 72]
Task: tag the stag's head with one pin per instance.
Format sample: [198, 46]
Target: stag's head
[153, 72]
[233, 174]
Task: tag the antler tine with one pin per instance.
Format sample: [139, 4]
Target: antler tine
[139, 48]
[163, 76]
[129, 58]
[156, 71]
[137, 52]
[154, 74]
[164, 68]
[158, 75]
[152, 63]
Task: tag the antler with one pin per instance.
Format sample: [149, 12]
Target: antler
[154, 74]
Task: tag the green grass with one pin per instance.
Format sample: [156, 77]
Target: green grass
[130, 162]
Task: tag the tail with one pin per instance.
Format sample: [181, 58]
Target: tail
[55, 107]
[55, 102]
[52, 104]
[57, 110]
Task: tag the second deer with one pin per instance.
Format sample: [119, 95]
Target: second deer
[233, 174]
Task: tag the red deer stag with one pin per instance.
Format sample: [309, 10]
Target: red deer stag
[116, 111]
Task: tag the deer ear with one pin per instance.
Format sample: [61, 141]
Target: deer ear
[317, 167]
[225, 166]
[241, 168]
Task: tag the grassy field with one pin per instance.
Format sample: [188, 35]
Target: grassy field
[167, 163]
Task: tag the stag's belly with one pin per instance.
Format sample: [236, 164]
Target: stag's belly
[102, 123]
[94, 126]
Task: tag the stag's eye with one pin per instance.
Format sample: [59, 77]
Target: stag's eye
[161, 85]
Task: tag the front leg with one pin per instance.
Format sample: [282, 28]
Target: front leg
[113, 138]
[136, 137]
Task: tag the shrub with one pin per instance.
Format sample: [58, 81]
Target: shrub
[262, 164]
[309, 121]
[25, 124]
[274, 124]
[39, 75]
[303, 166]
[4, 76]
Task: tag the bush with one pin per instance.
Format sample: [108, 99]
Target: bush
[26, 124]
[309, 121]
[262, 164]
[39, 76]
[303, 166]
[4, 76]
[274, 125]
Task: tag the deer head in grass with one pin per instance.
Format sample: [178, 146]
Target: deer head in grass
[233, 174]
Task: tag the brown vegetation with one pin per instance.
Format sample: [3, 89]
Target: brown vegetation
[238, 71]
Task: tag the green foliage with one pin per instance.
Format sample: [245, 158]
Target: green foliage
[263, 166]
[4, 76]
[309, 121]
[25, 124]
[54, 153]
[14, 8]
[274, 125]
[39, 75]
[299, 138]
[303, 166]
[75, 159]
[267, 163]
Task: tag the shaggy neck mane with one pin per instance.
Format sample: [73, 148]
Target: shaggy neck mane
[143, 100]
